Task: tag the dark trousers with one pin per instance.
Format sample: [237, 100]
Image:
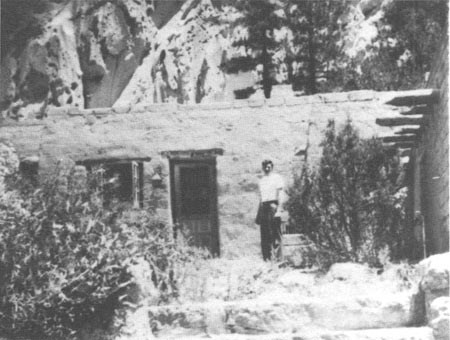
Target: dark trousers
[270, 229]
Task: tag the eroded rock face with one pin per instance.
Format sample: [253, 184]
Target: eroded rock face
[113, 42]
[89, 51]
[183, 64]
[363, 26]
[369, 6]
[46, 69]
[435, 279]
[435, 271]
[100, 53]
[349, 271]
[440, 317]
[84, 57]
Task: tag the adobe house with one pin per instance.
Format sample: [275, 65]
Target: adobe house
[198, 165]
[429, 186]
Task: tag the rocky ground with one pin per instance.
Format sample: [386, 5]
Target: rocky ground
[252, 299]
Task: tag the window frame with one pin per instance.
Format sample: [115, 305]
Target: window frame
[136, 168]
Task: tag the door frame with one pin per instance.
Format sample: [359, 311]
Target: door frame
[214, 218]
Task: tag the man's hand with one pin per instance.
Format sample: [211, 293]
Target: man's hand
[282, 214]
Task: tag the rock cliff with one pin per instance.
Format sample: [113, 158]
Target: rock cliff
[104, 53]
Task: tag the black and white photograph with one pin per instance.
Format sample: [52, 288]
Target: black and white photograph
[224, 170]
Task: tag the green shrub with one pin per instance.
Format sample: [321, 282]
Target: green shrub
[64, 259]
[352, 205]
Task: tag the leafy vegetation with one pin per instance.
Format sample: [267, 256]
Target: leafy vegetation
[65, 260]
[351, 207]
[260, 20]
[19, 22]
[410, 34]
[316, 29]
[315, 52]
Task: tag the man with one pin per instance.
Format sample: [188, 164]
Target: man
[271, 188]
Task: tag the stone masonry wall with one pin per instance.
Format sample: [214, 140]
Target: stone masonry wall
[435, 162]
[247, 131]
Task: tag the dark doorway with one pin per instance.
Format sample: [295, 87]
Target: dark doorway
[194, 201]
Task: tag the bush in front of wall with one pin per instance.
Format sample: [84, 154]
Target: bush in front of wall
[64, 260]
[352, 205]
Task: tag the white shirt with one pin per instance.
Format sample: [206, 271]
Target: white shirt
[269, 186]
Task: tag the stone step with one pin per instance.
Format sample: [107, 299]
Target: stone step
[289, 315]
[406, 333]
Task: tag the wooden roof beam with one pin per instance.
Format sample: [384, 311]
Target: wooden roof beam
[407, 131]
[405, 152]
[402, 138]
[193, 153]
[415, 97]
[399, 121]
[418, 110]
[112, 159]
[402, 145]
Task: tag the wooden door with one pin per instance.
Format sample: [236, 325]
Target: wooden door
[195, 202]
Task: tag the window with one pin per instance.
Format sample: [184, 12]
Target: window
[119, 181]
[29, 169]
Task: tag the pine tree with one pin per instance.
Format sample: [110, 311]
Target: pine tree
[316, 29]
[260, 19]
[409, 36]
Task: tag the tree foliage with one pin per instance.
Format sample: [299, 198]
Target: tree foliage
[20, 23]
[352, 205]
[64, 259]
[410, 34]
[316, 28]
[260, 20]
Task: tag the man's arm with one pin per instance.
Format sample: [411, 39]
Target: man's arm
[280, 202]
[280, 197]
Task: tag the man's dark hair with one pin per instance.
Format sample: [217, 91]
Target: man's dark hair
[266, 162]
